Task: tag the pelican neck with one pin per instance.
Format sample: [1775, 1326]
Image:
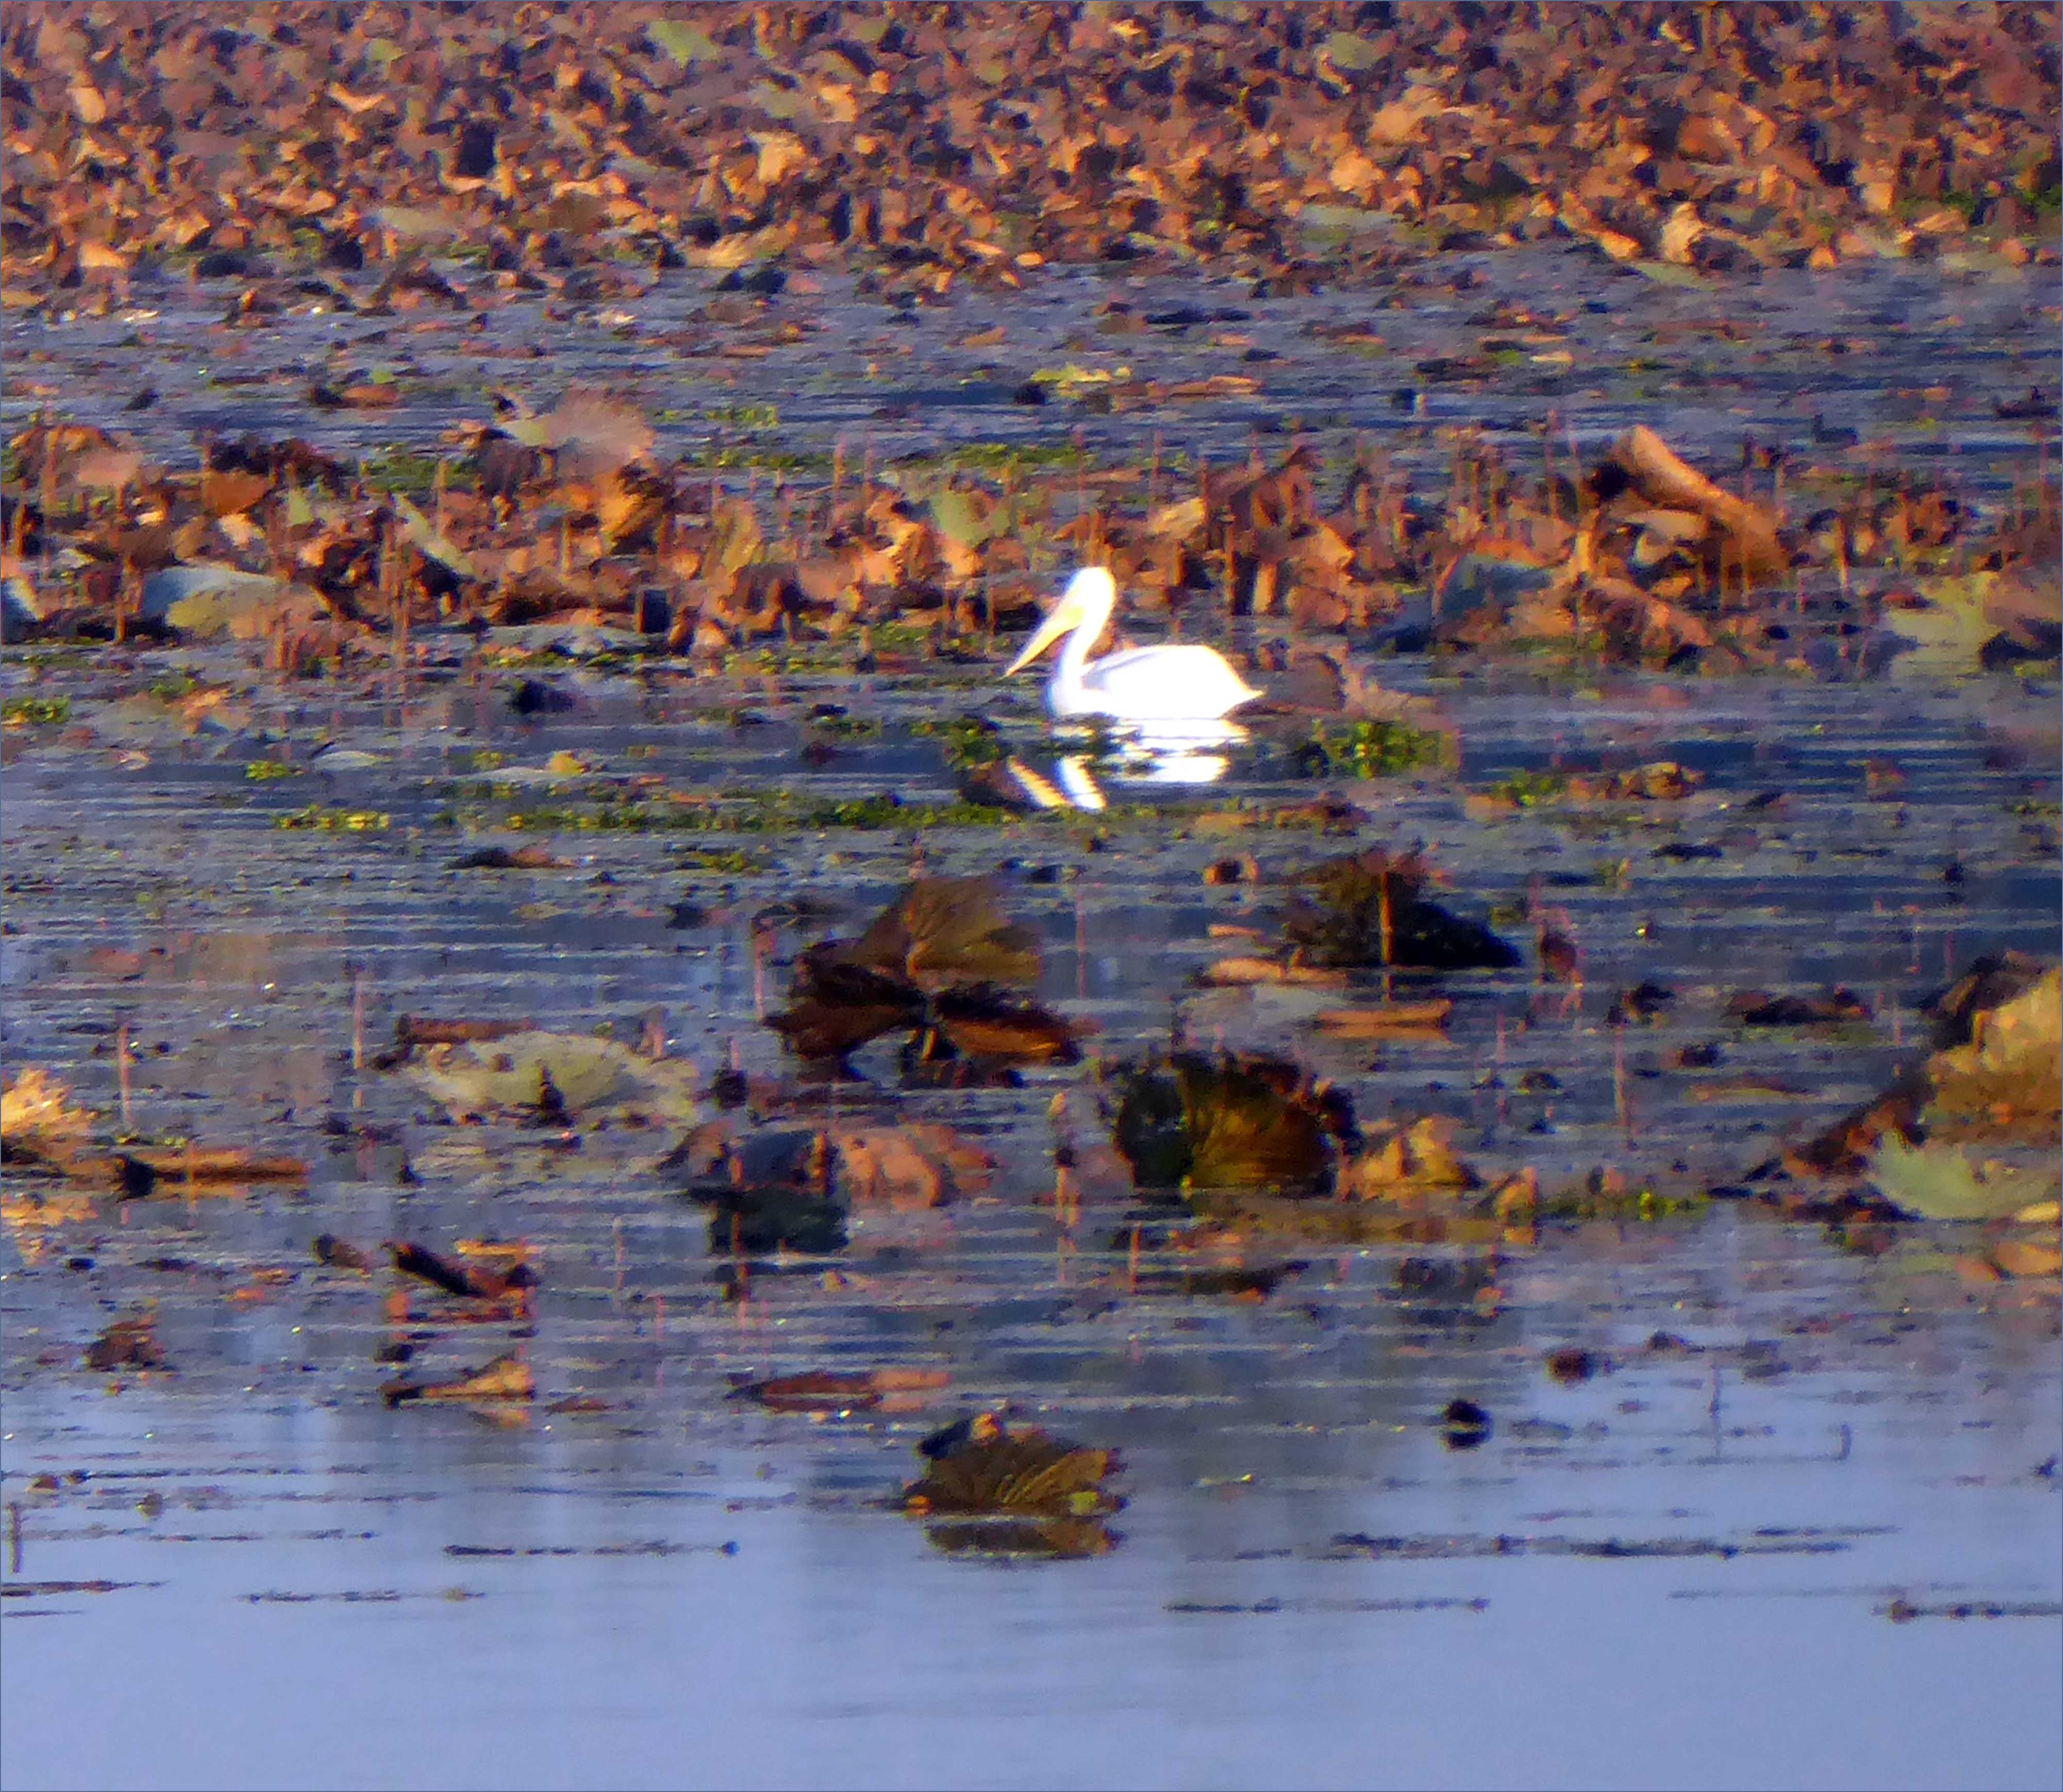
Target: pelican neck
[1075, 654]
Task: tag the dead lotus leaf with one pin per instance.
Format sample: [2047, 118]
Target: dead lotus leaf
[1939, 1182]
[506, 1276]
[556, 1074]
[1385, 1018]
[1993, 980]
[2006, 1082]
[40, 1126]
[1668, 482]
[38, 1122]
[131, 1344]
[2019, 1256]
[1242, 969]
[190, 1166]
[1413, 1160]
[506, 1378]
[985, 1022]
[943, 947]
[945, 930]
[909, 1167]
[1018, 1471]
[862, 1391]
[2000, 1083]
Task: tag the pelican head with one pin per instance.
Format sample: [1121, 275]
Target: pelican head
[1091, 596]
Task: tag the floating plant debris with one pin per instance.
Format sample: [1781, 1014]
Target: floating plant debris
[989, 1466]
[1248, 1123]
[512, 523]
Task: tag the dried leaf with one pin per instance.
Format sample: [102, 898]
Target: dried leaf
[685, 43]
[506, 1378]
[865, 1391]
[39, 1122]
[1232, 1123]
[1938, 1182]
[554, 1074]
[909, 1167]
[1415, 1160]
[127, 1344]
[1369, 910]
[1018, 1470]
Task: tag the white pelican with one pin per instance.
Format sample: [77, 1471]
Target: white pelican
[1176, 683]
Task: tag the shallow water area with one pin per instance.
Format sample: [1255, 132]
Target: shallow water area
[1792, 1519]
[1308, 1585]
[1690, 1568]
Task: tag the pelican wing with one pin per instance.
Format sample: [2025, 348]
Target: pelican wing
[1170, 683]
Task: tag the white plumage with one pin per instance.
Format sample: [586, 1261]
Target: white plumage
[1178, 683]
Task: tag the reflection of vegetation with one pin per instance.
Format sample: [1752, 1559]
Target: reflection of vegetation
[768, 812]
[744, 417]
[902, 637]
[766, 1190]
[1042, 1539]
[772, 460]
[260, 771]
[1286, 1219]
[723, 861]
[45, 654]
[759, 1221]
[849, 727]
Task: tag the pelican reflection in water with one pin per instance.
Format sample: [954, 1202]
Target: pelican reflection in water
[1141, 757]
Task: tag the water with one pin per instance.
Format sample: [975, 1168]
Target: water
[1809, 1536]
[300, 1617]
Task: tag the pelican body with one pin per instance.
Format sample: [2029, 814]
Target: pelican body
[1147, 685]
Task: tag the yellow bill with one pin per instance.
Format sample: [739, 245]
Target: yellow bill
[1063, 617]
